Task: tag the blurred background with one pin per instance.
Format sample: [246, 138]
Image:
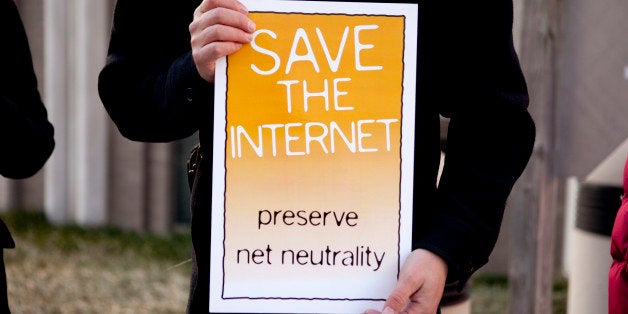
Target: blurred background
[109, 218]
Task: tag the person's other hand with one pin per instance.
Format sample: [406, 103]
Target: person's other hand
[219, 28]
[420, 285]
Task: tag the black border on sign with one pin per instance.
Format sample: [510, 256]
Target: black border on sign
[222, 292]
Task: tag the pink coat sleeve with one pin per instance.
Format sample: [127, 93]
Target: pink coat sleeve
[618, 274]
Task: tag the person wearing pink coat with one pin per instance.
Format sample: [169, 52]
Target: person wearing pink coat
[618, 274]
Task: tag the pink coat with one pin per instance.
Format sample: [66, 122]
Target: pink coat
[618, 274]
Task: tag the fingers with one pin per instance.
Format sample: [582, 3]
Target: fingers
[205, 57]
[219, 28]
[223, 17]
[208, 5]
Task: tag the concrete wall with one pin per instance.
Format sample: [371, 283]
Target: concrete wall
[593, 84]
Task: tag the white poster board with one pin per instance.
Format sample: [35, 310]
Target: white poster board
[313, 159]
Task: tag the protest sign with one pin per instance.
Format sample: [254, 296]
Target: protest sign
[313, 158]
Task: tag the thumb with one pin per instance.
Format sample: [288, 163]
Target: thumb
[399, 297]
[389, 310]
[419, 286]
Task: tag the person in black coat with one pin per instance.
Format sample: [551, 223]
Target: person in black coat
[26, 136]
[157, 86]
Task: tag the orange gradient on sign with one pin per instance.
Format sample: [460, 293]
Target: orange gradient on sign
[313, 125]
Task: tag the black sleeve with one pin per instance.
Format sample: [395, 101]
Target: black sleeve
[473, 76]
[26, 136]
[150, 85]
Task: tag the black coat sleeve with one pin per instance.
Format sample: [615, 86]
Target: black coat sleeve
[472, 75]
[26, 136]
[150, 85]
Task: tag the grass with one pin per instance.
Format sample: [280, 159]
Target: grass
[34, 228]
[489, 295]
[104, 270]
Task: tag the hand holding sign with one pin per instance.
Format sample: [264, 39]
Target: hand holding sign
[420, 285]
[219, 28]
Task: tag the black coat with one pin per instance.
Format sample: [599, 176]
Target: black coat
[26, 136]
[468, 71]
